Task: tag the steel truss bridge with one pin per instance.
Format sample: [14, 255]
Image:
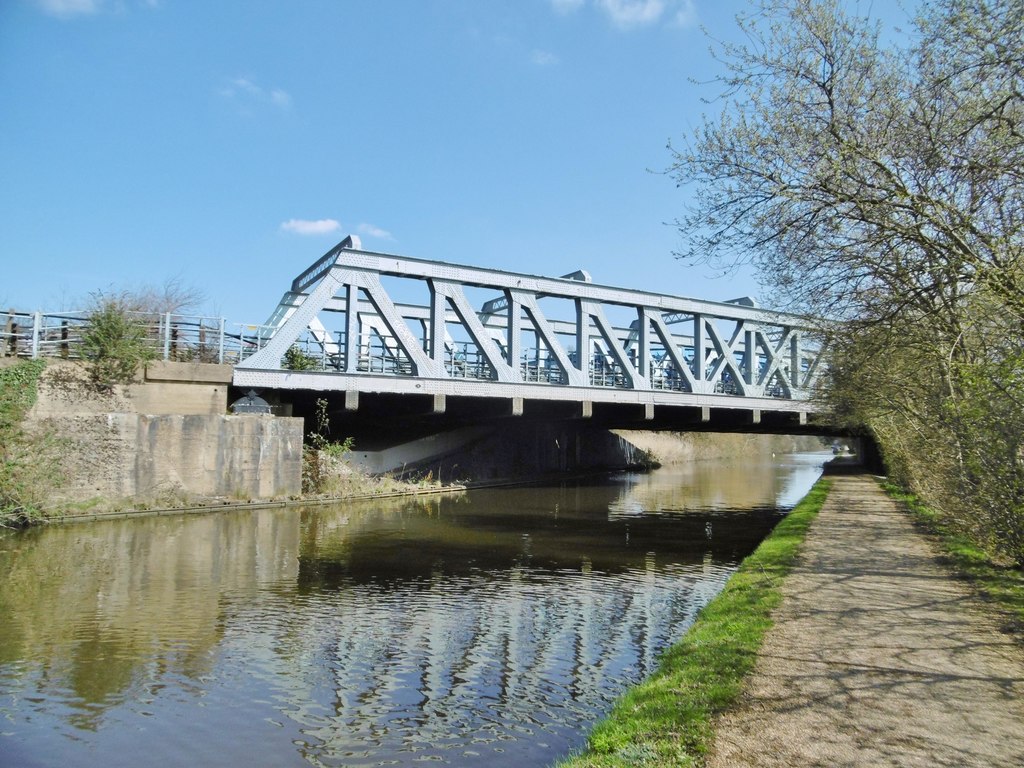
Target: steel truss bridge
[358, 322]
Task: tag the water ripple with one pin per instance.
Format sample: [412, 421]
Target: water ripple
[488, 630]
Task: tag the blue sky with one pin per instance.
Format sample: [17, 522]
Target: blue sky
[229, 143]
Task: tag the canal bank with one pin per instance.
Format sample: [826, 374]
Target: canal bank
[873, 653]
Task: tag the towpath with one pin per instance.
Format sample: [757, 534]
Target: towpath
[879, 656]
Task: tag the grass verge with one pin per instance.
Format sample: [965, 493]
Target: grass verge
[1002, 585]
[667, 719]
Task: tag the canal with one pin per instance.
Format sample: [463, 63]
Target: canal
[489, 628]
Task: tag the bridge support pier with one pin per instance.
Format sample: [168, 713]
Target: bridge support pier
[351, 400]
[517, 406]
[705, 414]
[440, 404]
[755, 416]
[649, 412]
[586, 409]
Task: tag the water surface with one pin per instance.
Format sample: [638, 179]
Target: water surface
[486, 629]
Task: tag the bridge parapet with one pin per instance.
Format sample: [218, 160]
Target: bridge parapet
[168, 336]
[382, 323]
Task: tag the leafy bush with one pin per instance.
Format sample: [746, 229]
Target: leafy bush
[18, 389]
[115, 342]
[297, 360]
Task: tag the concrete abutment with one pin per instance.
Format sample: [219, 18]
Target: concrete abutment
[164, 438]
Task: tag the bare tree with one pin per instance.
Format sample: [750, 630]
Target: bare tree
[878, 187]
[173, 295]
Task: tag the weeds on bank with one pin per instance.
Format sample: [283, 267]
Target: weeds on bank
[115, 341]
[327, 473]
[29, 461]
[321, 457]
[1002, 584]
[666, 720]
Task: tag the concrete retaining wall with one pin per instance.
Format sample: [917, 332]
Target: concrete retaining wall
[134, 444]
[131, 456]
[235, 456]
[164, 388]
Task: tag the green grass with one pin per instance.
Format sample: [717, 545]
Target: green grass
[1003, 585]
[667, 719]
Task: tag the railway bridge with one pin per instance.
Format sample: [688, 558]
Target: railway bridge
[417, 359]
[393, 342]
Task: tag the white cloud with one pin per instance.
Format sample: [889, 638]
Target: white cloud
[543, 58]
[243, 89]
[566, 6]
[686, 16]
[280, 98]
[245, 86]
[371, 231]
[65, 9]
[627, 14]
[631, 14]
[310, 227]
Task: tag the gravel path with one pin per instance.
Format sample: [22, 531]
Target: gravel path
[878, 657]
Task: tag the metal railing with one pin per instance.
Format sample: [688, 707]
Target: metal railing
[190, 338]
[170, 336]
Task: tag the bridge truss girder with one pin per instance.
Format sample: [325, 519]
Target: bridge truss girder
[532, 338]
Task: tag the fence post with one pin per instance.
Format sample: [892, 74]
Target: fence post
[37, 326]
[220, 348]
[167, 336]
[11, 335]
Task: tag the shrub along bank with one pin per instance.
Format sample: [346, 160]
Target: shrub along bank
[28, 460]
[666, 719]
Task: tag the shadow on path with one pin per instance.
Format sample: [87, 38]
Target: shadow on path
[879, 656]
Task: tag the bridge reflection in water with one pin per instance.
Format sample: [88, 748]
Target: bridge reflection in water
[486, 629]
